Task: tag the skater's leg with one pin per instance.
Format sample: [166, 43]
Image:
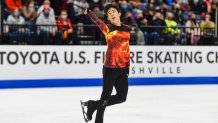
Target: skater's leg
[121, 86]
[109, 78]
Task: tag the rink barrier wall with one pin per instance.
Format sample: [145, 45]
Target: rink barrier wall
[98, 82]
[76, 66]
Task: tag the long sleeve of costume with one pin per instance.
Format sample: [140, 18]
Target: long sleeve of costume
[117, 38]
[103, 27]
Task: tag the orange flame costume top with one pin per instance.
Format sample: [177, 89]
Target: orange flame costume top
[117, 38]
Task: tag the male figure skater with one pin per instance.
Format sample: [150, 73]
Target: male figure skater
[116, 64]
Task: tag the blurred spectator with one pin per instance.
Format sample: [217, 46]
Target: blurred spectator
[46, 4]
[5, 28]
[18, 33]
[184, 5]
[154, 33]
[139, 38]
[76, 8]
[141, 20]
[93, 3]
[98, 12]
[213, 12]
[178, 14]
[193, 28]
[80, 34]
[171, 29]
[208, 29]
[134, 12]
[171, 24]
[66, 28]
[160, 2]
[124, 6]
[12, 4]
[157, 9]
[148, 14]
[15, 17]
[128, 18]
[105, 2]
[208, 3]
[79, 5]
[169, 2]
[135, 5]
[71, 11]
[165, 10]
[29, 12]
[158, 20]
[47, 27]
[207, 25]
[80, 29]
[197, 6]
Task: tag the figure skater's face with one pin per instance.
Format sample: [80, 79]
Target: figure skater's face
[113, 15]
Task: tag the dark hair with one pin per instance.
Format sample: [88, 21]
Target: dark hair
[108, 6]
[28, 2]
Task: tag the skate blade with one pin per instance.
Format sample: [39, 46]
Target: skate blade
[83, 111]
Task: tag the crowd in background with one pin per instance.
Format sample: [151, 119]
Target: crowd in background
[197, 15]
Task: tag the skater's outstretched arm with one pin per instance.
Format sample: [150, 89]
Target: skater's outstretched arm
[104, 28]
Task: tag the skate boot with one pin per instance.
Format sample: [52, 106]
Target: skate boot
[91, 107]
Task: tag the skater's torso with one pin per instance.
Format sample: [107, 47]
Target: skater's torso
[118, 52]
[117, 38]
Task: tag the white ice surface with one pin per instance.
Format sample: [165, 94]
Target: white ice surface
[145, 104]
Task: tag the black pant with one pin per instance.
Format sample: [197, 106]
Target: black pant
[118, 78]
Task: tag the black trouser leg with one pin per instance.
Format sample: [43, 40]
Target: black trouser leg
[109, 78]
[121, 86]
[112, 77]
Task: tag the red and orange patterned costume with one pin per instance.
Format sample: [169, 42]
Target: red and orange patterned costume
[117, 38]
